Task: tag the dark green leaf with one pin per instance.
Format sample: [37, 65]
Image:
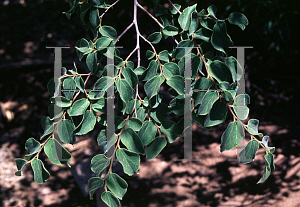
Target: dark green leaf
[130, 76]
[247, 155]
[125, 89]
[178, 53]
[41, 175]
[201, 84]
[232, 136]
[103, 143]
[117, 185]
[132, 141]
[99, 163]
[101, 87]
[65, 130]
[186, 16]
[253, 126]
[32, 146]
[151, 71]
[134, 123]
[207, 23]
[212, 10]
[47, 126]
[159, 10]
[94, 17]
[173, 10]
[177, 83]
[203, 34]
[170, 129]
[147, 132]
[216, 115]
[87, 124]
[130, 106]
[108, 31]
[207, 102]
[79, 107]
[150, 54]
[91, 62]
[110, 199]
[234, 67]
[69, 84]
[160, 113]
[20, 165]
[94, 184]
[164, 56]
[269, 167]
[194, 25]
[152, 86]
[129, 160]
[170, 30]
[238, 19]
[170, 69]
[155, 147]
[79, 83]
[141, 114]
[103, 42]
[61, 101]
[177, 106]
[220, 40]
[56, 153]
[51, 87]
[219, 71]
[99, 105]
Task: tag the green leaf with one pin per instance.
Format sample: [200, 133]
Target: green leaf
[87, 124]
[164, 56]
[253, 127]
[41, 175]
[185, 17]
[220, 40]
[99, 163]
[79, 107]
[151, 71]
[150, 54]
[125, 89]
[103, 143]
[130, 106]
[119, 122]
[216, 115]
[234, 67]
[130, 65]
[193, 26]
[110, 199]
[170, 129]
[130, 76]
[219, 71]
[65, 130]
[91, 62]
[155, 147]
[159, 10]
[170, 30]
[73, 5]
[147, 132]
[240, 106]
[129, 160]
[141, 113]
[155, 37]
[207, 23]
[201, 84]
[167, 19]
[103, 42]
[134, 123]
[203, 34]
[69, 84]
[232, 136]
[132, 141]
[56, 153]
[109, 31]
[117, 185]
[94, 184]
[238, 19]
[51, 87]
[61, 101]
[152, 86]
[99, 105]
[177, 106]
[173, 10]
[212, 10]
[20, 165]
[178, 53]
[247, 155]
[177, 83]
[32, 146]
[269, 167]
[160, 113]
[101, 87]
[47, 126]
[79, 83]
[94, 17]
[196, 65]
[170, 69]
[207, 102]
[265, 143]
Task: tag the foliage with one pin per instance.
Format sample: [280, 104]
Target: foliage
[213, 72]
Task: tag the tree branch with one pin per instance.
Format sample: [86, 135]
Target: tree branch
[108, 9]
[123, 32]
[174, 7]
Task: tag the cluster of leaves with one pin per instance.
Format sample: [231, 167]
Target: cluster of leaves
[142, 122]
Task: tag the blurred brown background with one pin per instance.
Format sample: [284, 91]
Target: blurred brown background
[272, 79]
